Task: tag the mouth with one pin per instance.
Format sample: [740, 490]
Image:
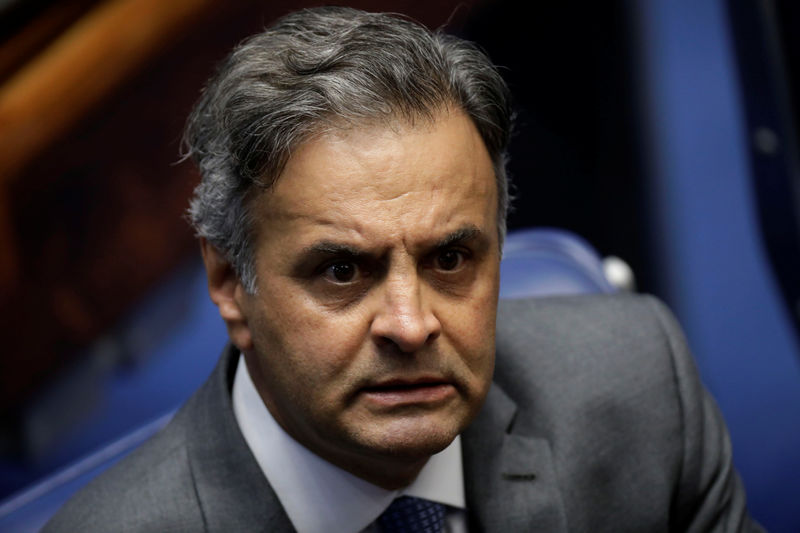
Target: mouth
[397, 392]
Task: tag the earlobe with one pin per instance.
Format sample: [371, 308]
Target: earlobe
[227, 293]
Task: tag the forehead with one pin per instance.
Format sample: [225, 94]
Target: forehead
[379, 181]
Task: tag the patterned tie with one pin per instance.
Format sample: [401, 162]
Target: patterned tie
[413, 515]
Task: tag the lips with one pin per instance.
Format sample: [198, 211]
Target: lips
[409, 391]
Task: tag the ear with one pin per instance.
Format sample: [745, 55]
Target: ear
[228, 294]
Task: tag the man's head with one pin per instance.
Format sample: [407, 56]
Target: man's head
[352, 211]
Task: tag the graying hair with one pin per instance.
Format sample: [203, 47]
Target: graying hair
[314, 69]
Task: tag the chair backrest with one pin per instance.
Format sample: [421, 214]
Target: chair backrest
[548, 261]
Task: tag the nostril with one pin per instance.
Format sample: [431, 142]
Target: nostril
[389, 346]
[406, 340]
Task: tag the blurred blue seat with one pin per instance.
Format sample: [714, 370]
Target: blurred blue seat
[28, 510]
[549, 261]
[536, 262]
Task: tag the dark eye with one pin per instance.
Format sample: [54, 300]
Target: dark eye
[449, 260]
[343, 272]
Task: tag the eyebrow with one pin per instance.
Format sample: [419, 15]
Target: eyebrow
[337, 249]
[462, 234]
[333, 248]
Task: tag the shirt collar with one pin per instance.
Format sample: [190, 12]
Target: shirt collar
[303, 480]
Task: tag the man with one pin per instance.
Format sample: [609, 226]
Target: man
[351, 216]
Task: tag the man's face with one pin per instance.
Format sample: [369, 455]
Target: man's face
[371, 335]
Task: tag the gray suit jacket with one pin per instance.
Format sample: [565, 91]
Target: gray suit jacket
[596, 422]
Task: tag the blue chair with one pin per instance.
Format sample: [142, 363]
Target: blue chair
[536, 262]
[543, 262]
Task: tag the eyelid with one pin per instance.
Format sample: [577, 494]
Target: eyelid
[460, 248]
[465, 254]
[362, 270]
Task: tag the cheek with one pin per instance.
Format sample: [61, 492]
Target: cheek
[313, 341]
[471, 331]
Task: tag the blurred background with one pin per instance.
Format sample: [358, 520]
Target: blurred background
[662, 131]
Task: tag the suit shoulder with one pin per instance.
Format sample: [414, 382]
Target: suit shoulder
[575, 326]
[606, 308]
[592, 353]
[149, 490]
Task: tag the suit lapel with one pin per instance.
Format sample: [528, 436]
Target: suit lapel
[231, 488]
[509, 479]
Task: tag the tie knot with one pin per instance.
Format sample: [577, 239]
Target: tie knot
[413, 515]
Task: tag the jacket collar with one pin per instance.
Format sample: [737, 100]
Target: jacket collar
[233, 493]
[509, 478]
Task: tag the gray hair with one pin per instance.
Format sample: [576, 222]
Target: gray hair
[314, 69]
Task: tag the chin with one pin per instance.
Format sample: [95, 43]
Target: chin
[413, 440]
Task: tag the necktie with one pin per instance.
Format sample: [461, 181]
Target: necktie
[412, 515]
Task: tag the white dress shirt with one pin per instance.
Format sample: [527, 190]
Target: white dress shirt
[319, 497]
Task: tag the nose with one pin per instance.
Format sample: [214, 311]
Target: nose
[404, 318]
